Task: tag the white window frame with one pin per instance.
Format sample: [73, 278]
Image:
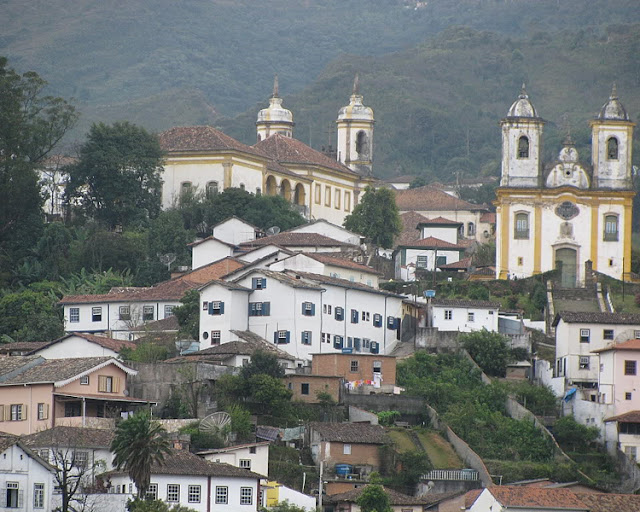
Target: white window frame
[152, 492]
[74, 315]
[448, 314]
[222, 495]
[84, 380]
[38, 495]
[194, 494]
[346, 449]
[422, 261]
[96, 311]
[148, 311]
[246, 495]
[17, 412]
[471, 316]
[173, 493]
[124, 312]
[584, 362]
[585, 333]
[244, 463]
[168, 310]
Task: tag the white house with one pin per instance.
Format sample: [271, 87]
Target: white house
[463, 315]
[210, 249]
[234, 230]
[578, 335]
[326, 228]
[527, 499]
[269, 250]
[252, 456]
[426, 254]
[329, 264]
[301, 242]
[80, 345]
[188, 480]
[26, 481]
[303, 313]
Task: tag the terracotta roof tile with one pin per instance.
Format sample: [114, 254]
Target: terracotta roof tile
[410, 232]
[356, 433]
[627, 417]
[395, 498]
[330, 259]
[200, 138]
[440, 221]
[24, 347]
[600, 502]
[429, 198]
[489, 218]
[536, 497]
[286, 150]
[214, 270]
[172, 290]
[208, 239]
[471, 497]
[296, 239]
[342, 283]
[463, 264]
[597, 318]
[77, 437]
[625, 345]
[434, 243]
[465, 303]
[248, 343]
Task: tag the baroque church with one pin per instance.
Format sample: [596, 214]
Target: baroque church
[319, 186]
[566, 213]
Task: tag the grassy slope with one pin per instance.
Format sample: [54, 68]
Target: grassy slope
[440, 453]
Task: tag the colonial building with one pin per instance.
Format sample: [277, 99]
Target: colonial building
[562, 214]
[321, 187]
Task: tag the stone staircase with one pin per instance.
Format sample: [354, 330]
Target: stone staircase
[590, 299]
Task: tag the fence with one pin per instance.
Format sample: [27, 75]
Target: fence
[452, 474]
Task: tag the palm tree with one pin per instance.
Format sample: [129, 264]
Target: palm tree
[138, 444]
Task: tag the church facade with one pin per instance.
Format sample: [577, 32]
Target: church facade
[565, 213]
[203, 159]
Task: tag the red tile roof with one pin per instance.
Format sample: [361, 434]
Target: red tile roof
[357, 433]
[328, 259]
[410, 232]
[536, 497]
[215, 270]
[440, 220]
[209, 238]
[625, 345]
[286, 150]
[201, 138]
[489, 218]
[435, 243]
[103, 341]
[296, 239]
[429, 198]
[471, 497]
[600, 502]
[627, 417]
[463, 264]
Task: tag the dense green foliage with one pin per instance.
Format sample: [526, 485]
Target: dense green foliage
[374, 499]
[474, 411]
[139, 443]
[574, 436]
[376, 217]
[141, 505]
[188, 315]
[285, 506]
[489, 349]
[30, 316]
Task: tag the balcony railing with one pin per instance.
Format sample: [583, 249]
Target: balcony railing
[451, 474]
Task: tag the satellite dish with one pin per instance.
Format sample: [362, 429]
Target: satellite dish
[182, 345]
[215, 422]
[273, 230]
[167, 259]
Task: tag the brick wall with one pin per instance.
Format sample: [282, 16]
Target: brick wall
[361, 454]
[316, 384]
[340, 364]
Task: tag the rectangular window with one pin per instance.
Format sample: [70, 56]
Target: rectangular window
[152, 492]
[246, 495]
[305, 339]
[585, 334]
[74, 315]
[304, 388]
[80, 459]
[96, 314]
[636, 334]
[471, 317]
[38, 495]
[205, 305]
[168, 311]
[252, 449]
[222, 495]
[346, 449]
[147, 313]
[584, 362]
[281, 337]
[245, 463]
[108, 384]
[17, 412]
[339, 313]
[627, 396]
[610, 228]
[318, 193]
[308, 309]
[258, 283]
[366, 316]
[441, 260]
[43, 411]
[13, 496]
[354, 366]
[259, 308]
[347, 201]
[448, 314]
[521, 230]
[216, 307]
[377, 320]
[173, 492]
[422, 261]
[354, 316]
[338, 342]
[125, 313]
[629, 368]
[194, 494]
[607, 334]
[327, 196]
[337, 199]
[215, 337]
[84, 381]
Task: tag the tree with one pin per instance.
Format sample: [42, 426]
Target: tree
[140, 505]
[573, 435]
[188, 315]
[489, 349]
[138, 444]
[285, 506]
[373, 498]
[30, 316]
[262, 363]
[74, 473]
[117, 177]
[31, 125]
[376, 217]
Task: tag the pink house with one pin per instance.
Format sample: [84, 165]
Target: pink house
[38, 394]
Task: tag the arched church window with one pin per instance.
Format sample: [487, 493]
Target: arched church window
[212, 189]
[471, 229]
[612, 148]
[610, 228]
[259, 137]
[521, 231]
[362, 143]
[523, 147]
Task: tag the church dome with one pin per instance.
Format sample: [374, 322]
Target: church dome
[613, 109]
[522, 107]
[275, 112]
[355, 110]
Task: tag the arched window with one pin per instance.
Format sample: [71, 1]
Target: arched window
[523, 147]
[521, 228]
[271, 186]
[259, 137]
[471, 229]
[610, 228]
[212, 189]
[612, 148]
[362, 144]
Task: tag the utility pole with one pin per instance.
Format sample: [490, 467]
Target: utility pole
[320, 484]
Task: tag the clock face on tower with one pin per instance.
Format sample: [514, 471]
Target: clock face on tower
[567, 210]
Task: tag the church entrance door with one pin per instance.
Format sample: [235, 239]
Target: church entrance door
[567, 263]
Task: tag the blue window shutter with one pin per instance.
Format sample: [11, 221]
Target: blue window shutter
[254, 281]
[266, 308]
[288, 336]
[354, 316]
[252, 308]
[356, 343]
[275, 337]
[304, 308]
[390, 322]
[264, 283]
[222, 308]
[313, 310]
[396, 324]
[374, 347]
[210, 307]
[309, 334]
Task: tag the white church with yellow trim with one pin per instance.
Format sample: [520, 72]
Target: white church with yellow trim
[561, 215]
[319, 186]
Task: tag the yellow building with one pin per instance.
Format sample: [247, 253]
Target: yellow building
[565, 213]
[321, 187]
